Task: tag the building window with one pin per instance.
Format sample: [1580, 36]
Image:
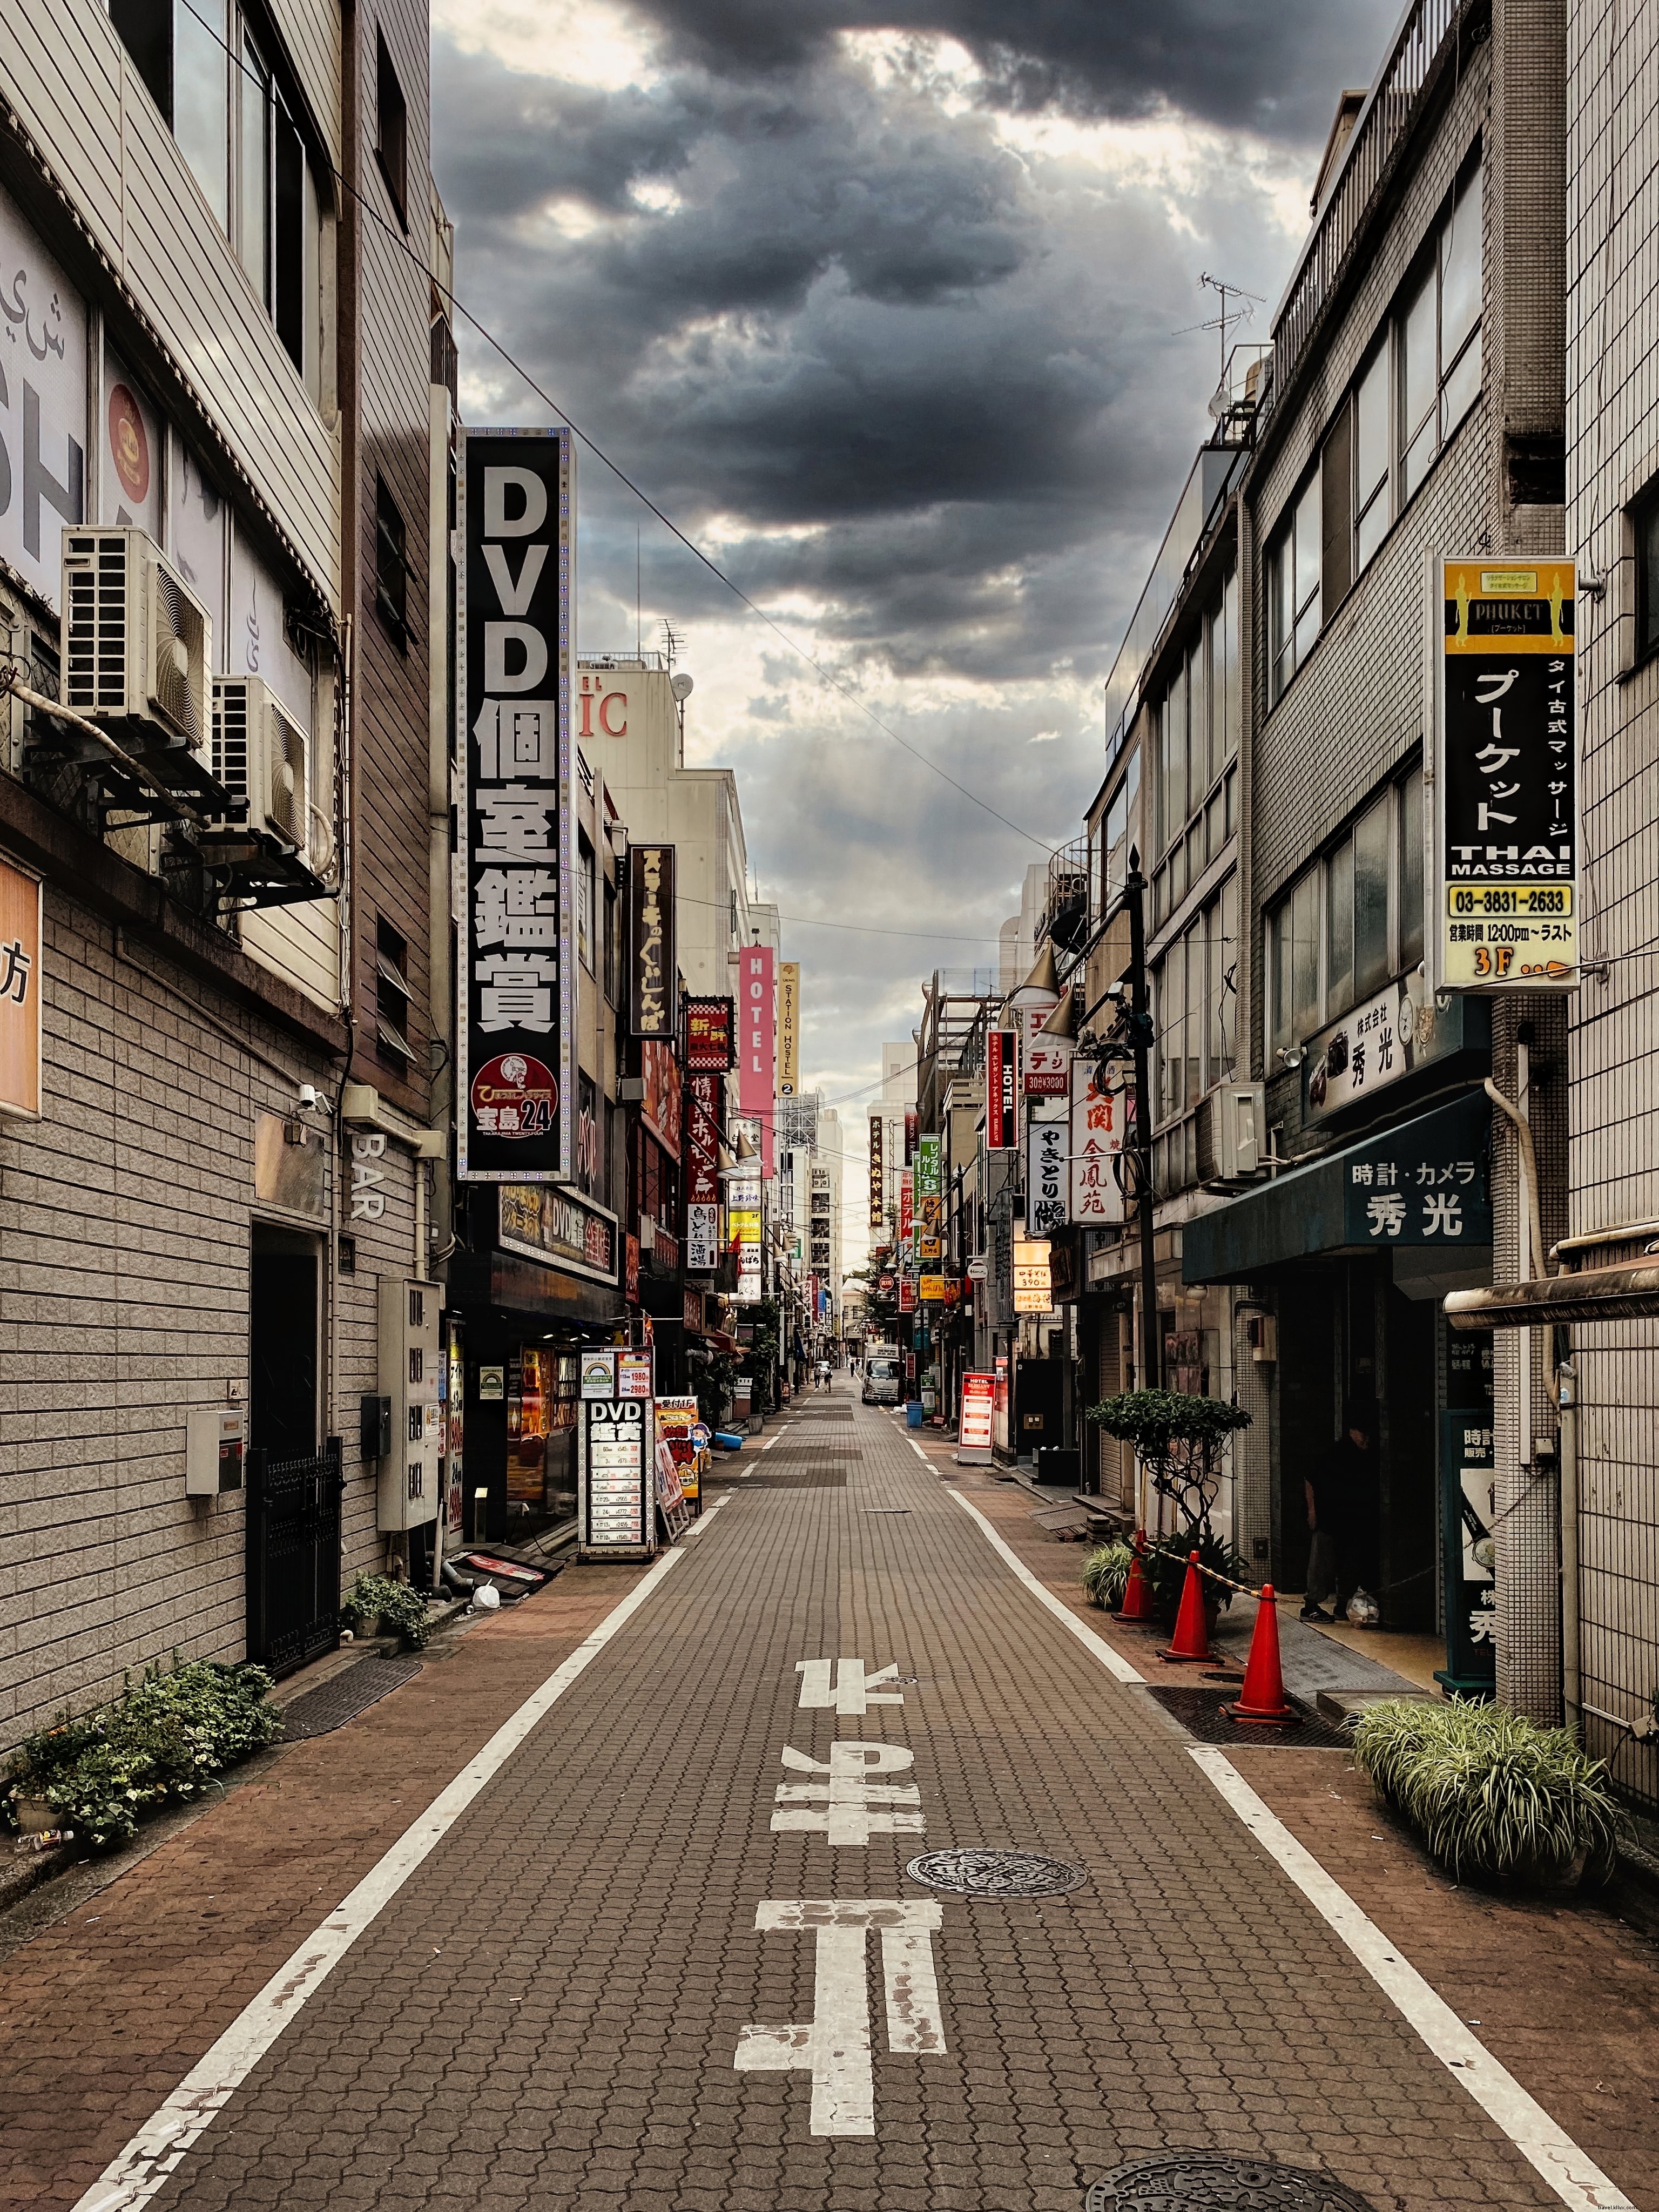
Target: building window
[1372, 454]
[223, 101]
[1198, 723]
[1352, 922]
[391, 564]
[612, 948]
[1644, 527]
[1118, 832]
[1293, 589]
[585, 872]
[391, 129]
[1196, 1001]
[393, 998]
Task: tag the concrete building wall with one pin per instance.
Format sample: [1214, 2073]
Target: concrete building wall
[1613, 463]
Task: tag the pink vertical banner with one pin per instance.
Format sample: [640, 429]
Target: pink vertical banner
[757, 1040]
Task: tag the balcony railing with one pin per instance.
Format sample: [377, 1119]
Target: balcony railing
[1423, 42]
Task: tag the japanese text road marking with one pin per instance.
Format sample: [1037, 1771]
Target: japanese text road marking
[833, 2046]
[133, 2176]
[854, 1691]
[849, 1794]
[1114, 1661]
[1576, 2179]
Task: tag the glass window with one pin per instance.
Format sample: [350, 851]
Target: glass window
[1371, 503]
[1646, 532]
[1307, 536]
[1304, 972]
[1373, 842]
[1338, 930]
[1227, 969]
[1232, 699]
[391, 564]
[392, 128]
[1293, 589]
[253, 169]
[201, 96]
[1411, 869]
[584, 902]
[1172, 1030]
[1199, 704]
[1460, 273]
[1174, 755]
[1419, 384]
[1280, 627]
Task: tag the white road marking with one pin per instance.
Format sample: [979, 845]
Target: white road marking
[834, 2046]
[849, 1794]
[1114, 1661]
[135, 2175]
[854, 1691]
[918, 1450]
[1576, 2179]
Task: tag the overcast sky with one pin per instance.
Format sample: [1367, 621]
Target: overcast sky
[889, 308]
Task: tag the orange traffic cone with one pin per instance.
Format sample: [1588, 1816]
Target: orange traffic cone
[1263, 1697]
[1192, 1636]
[1138, 1591]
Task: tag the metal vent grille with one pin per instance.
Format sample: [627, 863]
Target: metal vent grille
[95, 622]
[230, 738]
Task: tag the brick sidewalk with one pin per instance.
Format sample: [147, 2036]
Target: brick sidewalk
[547, 2014]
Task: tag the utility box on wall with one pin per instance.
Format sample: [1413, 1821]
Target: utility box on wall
[410, 1472]
[215, 1441]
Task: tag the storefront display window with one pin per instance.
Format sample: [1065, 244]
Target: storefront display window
[541, 1414]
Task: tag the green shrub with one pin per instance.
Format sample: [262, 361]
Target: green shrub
[164, 1740]
[1105, 1572]
[400, 1606]
[1491, 1794]
[1166, 1566]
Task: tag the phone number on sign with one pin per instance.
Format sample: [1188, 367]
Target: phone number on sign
[1535, 899]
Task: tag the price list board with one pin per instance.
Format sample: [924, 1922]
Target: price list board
[616, 1505]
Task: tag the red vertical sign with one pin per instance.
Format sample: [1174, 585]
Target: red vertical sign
[1001, 1091]
[758, 1044]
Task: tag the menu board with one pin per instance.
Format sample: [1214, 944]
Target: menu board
[616, 1440]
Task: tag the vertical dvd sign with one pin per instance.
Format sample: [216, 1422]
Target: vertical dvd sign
[515, 516]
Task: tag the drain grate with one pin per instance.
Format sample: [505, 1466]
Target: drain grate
[1200, 1711]
[348, 1693]
[1203, 2181]
[996, 1874]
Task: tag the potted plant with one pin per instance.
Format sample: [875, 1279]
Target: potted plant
[377, 1605]
[1106, 1574]
[1181, 1441]
[1492, 1795]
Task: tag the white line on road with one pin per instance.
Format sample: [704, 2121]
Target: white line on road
[918, 1450]
[136, 2174]
[1114, 1661]
[1576, 2179]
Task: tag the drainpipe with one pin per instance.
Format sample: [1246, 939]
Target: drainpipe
[1572, 1685]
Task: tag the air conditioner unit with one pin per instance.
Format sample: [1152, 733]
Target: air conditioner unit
[137, 642]
[262, 754]
[1239, 1128]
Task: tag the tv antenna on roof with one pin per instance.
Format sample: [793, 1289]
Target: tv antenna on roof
[1228, 316]
[673, 642]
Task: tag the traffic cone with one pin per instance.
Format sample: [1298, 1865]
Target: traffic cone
[1263, 1697]
[1136, 1590]
[1192, 1637]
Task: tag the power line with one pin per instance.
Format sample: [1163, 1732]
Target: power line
[402, 243]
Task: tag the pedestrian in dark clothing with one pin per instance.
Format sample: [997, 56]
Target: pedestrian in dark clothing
[1341, 1497]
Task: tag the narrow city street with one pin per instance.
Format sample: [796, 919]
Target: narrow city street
[669, 1959]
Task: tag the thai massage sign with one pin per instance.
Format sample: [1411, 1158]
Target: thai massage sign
[1505, 893]
[514, 512]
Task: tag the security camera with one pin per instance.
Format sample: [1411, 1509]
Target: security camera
[311, 1100]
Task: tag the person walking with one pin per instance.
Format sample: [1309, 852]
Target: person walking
[1341, 1502]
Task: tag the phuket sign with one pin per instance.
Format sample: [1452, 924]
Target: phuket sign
[1505, 892]
[515, 516]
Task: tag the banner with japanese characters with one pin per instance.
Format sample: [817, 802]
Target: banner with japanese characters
[1001, 1091]
[1504, 890]
[652, 972]
[514, 593]
[1046, 1179]
[1099, 1123]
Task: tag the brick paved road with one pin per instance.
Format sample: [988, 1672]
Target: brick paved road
[547, 2014]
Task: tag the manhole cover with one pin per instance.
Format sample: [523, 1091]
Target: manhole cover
[1200, 2181]
[344, 1695]
[996, 1874]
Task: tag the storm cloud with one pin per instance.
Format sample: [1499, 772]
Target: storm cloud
[894, 313]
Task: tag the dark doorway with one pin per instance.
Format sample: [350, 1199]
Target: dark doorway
[293, 1488]
[1310, 1306]
[282, 1343]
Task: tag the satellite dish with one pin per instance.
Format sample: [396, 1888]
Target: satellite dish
[681, 686]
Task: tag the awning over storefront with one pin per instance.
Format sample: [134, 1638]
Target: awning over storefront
[1424, 1183]
[1593, 1294]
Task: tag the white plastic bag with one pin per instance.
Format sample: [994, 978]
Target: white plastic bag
[486, 1598]
[1364, 1611]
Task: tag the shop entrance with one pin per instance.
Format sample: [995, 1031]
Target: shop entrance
[293, 1486]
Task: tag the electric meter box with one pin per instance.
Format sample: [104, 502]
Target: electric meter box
[410, 1359]
[215, 1447]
